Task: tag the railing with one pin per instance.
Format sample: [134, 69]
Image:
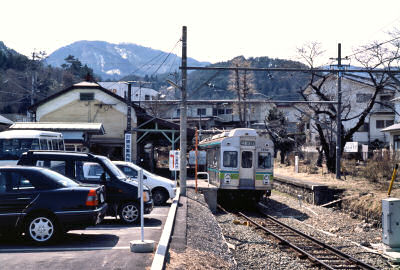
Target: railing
[208, 176]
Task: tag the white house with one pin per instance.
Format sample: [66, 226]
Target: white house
[393, 131]
[356, 93]
[138, 93]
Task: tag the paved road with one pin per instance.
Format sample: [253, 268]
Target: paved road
[105, 246]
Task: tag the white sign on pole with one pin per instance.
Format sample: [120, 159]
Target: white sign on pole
[351, 147]
[128, 145]
[174, 160]
[201, 157]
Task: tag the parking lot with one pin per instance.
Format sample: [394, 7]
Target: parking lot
[105, 246]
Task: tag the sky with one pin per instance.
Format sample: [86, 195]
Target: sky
[217, 30]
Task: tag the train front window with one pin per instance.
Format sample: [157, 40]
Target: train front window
[264, 160]
[247, 159]
[230, 159]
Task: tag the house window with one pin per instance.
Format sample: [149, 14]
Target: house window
[201, 111]
[86, 96]
[362, 98]
[228, 111]
[215, 112]
[221, 111]
[178, 112]
[384, 123]
[396, 142]
[364, 128]
[146, 97]
[380, 123]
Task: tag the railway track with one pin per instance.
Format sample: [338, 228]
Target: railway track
[319, 253]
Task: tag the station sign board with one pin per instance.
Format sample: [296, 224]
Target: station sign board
[128, 147]
[351, 147]
[174, 160]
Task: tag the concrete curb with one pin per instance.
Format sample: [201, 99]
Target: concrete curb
[162, 248]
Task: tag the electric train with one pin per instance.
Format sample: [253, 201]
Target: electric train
[240, 164]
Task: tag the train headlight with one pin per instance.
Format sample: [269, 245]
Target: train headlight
[227, 178]
[266, 179]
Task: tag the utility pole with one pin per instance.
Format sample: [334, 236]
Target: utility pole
[33, 85]
[129, 112]
[339, 113]
[237, 85]
[183, 116]
[141, 83]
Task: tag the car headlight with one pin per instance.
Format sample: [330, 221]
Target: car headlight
[227, 178]
[266, 179]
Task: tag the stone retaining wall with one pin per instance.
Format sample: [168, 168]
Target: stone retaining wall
[310, 192]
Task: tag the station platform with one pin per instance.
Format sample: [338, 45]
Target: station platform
[174, 234]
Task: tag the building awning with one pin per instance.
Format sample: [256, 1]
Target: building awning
[5, 121]
[395, 127]
[91, 128]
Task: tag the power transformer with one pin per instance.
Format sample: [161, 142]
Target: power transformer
[391, 222]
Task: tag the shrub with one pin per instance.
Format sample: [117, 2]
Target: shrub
[378, 170]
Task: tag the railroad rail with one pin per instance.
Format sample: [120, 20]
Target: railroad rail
[316, 251]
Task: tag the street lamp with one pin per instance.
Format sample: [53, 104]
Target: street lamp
[174, 84]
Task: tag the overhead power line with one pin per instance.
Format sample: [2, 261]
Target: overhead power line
[373, 47]
[166, 57]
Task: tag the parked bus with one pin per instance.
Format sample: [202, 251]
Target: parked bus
[15, 142]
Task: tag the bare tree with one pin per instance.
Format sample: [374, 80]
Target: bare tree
[242, 83]
[276, 126]
[321, 87]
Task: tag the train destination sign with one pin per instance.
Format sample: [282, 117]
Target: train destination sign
[248, 143]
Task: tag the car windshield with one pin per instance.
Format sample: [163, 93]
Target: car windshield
[59, 178]
[114, 169]
[137, 168]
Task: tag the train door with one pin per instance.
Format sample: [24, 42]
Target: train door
[246, 172]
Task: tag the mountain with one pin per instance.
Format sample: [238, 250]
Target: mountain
[114, 61]
[10, 59]
[211, 84]
[4, 49]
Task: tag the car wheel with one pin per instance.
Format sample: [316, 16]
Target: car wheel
[41, 229]
[129, 213]
[160, 196]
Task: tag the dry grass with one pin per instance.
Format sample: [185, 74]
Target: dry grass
[196, 260]
[364, 195]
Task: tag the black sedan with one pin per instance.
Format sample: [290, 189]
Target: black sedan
[44, 204]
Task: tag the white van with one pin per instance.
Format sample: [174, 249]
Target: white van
[161, 188]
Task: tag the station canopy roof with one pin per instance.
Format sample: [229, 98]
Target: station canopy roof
[93, 128]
